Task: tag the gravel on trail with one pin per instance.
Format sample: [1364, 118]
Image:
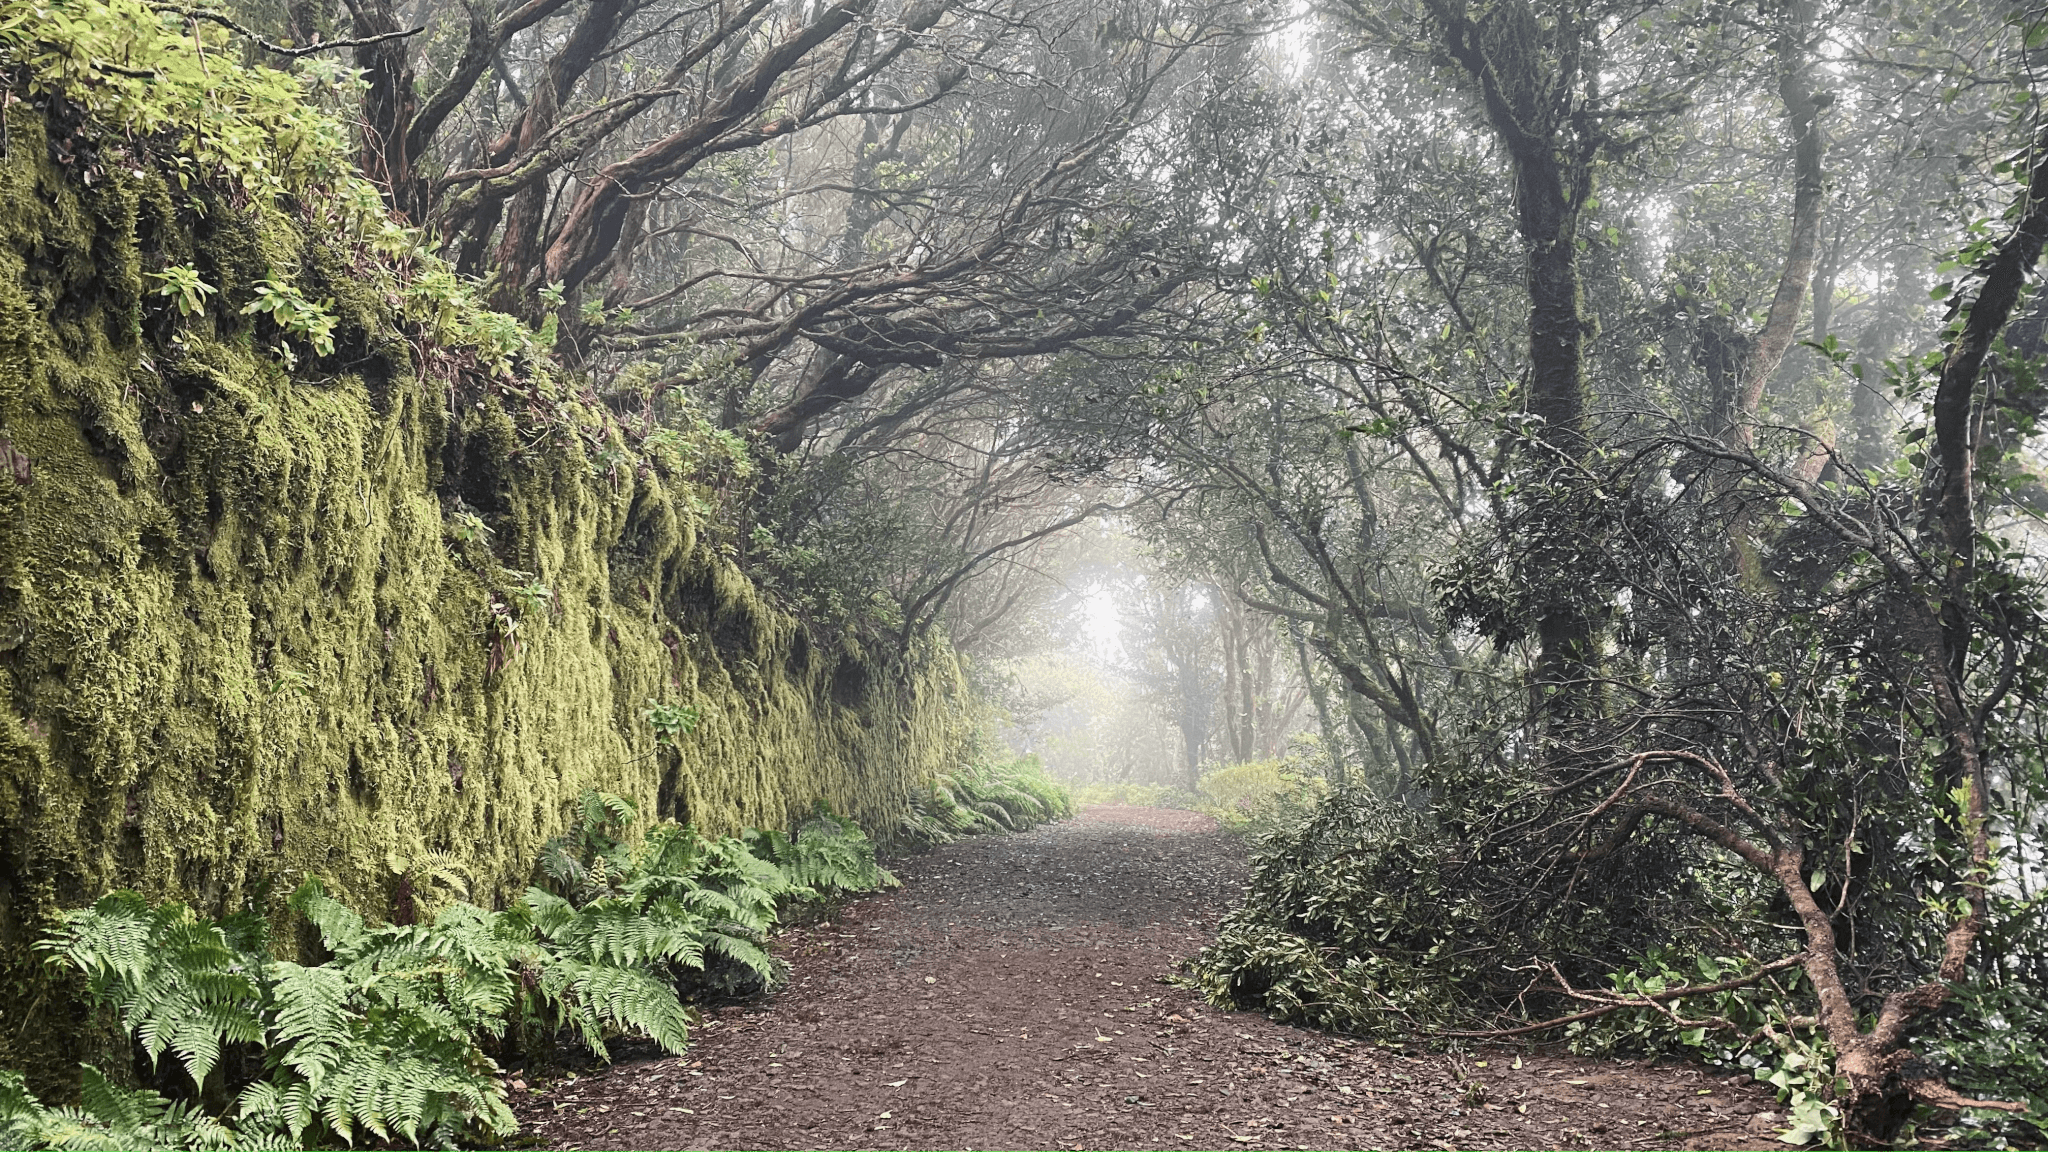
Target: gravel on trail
[1014, 994]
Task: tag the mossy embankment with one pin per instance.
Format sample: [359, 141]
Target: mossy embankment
[381, 607]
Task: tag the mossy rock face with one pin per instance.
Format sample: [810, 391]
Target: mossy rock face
[244, 638]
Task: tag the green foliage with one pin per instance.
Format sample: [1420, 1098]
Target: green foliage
[183, 287]
[382, 1039]
[109, 1116]
[671, 722]
[829, 855]
[294, 315]
[389, 1035]
[1348, 924]
[176, 981]
[987, 798]
[1749, 1028]
[1994, 1045]
[155, 75]
[1260, 797]
[696, 909]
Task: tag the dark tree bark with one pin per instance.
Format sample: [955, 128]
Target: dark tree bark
[1534, 86]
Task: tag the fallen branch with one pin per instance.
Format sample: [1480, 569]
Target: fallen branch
[1649, 1001]
[1939, 1095]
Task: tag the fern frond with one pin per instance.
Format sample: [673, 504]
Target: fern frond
[742, 951]
[628, 999]
[117, 1107]
[339, 926]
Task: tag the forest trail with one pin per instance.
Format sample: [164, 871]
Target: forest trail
[1011, 995]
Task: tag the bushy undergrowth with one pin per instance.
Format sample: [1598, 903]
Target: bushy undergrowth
[1363, 918]
[1260, 797]
[396, 1034]
[1346, 925]
[1010, 796]
[1254, 799]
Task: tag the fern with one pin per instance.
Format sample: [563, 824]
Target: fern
[829, 855]
[593, 996]
[1009, 797]
[109, 1116]
[177, 982]
[384, 1038]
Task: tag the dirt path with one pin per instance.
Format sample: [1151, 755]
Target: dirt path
[1011, 995]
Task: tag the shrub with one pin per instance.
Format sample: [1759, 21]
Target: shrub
[1260, 797]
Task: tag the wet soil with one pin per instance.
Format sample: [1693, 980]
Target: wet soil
[1013, 994]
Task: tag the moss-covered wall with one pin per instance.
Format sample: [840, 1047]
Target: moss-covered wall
[244, 637]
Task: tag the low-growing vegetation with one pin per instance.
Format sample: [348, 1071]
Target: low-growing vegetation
[401, 1031]
[992, 796]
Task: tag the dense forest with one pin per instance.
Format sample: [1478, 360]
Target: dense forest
[504, 502]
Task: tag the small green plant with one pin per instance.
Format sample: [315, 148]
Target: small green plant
[550, 325]
[294, 314]
[469, 527]
[533, 599]
[182, 286]
[501, 629]
[671, 722]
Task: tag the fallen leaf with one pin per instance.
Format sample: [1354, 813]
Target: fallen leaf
[1102, 1039]
[883, 1116]
[684, 1111]
[895, 1083]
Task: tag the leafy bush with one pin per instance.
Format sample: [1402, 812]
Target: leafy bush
[389, 1036]
[1260, 797]
[1347, 925]
[1366, 919]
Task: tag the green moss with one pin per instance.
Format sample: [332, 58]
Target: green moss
[242, 643]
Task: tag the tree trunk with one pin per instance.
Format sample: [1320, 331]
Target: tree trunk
[1529, 82]
[1767, 349]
